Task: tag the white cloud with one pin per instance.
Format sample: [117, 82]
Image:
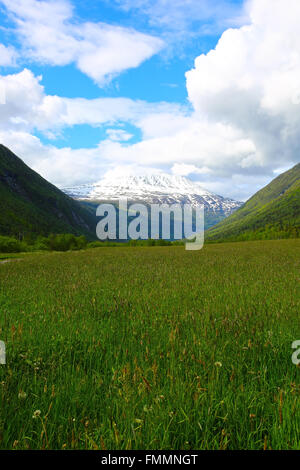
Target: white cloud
[118, 135]
[120, 171]
[28, 108]
[50, 34]
[251, 81]
[180, 16]
[8, 56]
[182, 169]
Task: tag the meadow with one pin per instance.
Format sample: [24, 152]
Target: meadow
[152, 348]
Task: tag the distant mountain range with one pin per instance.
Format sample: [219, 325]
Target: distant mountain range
[273, 212]
[31, 205]
[157, 189]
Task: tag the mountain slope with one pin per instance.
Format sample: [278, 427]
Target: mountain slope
[273, 211]
[31, 205]
[157, 189]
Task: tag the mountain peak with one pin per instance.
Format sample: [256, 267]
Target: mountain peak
[148, 187]
[158, 182]
[156, 188]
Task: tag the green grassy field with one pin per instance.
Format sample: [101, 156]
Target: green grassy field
[152, 348]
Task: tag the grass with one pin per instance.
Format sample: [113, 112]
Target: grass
[152, 348]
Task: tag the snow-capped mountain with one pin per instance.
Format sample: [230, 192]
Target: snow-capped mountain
[156, 188]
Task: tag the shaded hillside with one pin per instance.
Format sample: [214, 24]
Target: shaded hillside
[272, 212]
[31, 205]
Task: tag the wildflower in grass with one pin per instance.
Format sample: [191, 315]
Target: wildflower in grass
[147, 408]
[36, 414]
[22, 395]
[159, 398]
[218, 364]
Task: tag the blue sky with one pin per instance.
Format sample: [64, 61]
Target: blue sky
[110, 86]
